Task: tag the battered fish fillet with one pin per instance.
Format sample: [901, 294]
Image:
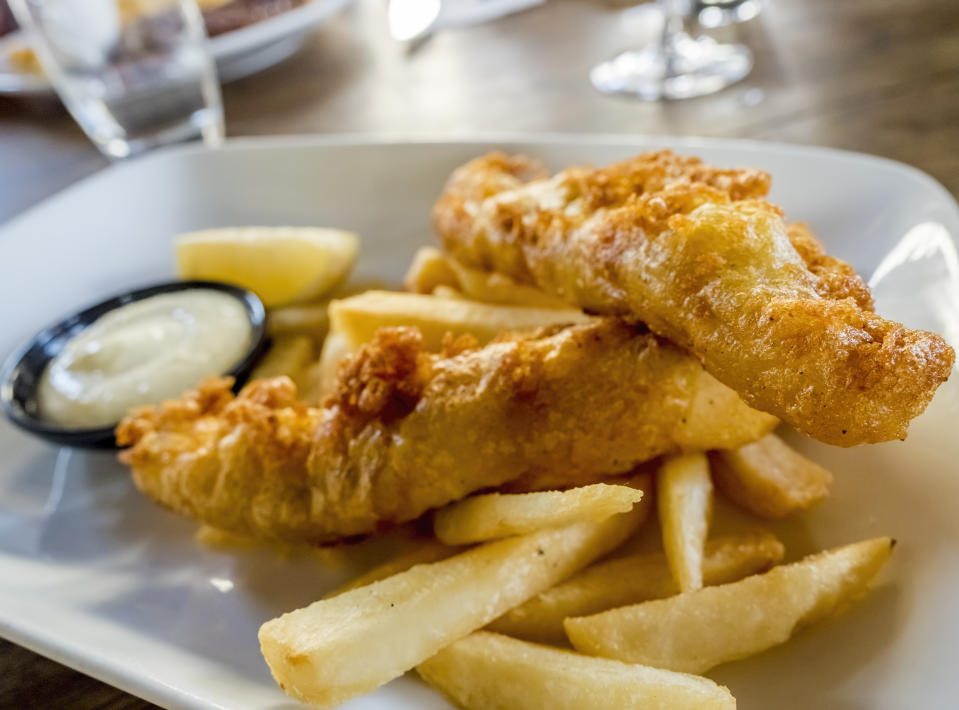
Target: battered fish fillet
[407, 430]
[697, 254]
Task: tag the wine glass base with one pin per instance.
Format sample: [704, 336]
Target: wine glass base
[690, 68]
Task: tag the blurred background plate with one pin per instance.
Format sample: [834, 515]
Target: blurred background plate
[97, 577]
[238, 53]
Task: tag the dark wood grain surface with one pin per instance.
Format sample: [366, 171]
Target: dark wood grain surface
[878, 76]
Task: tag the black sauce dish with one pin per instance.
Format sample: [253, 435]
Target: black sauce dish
[21, 373]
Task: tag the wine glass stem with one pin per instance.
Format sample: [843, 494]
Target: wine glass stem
[675, 13]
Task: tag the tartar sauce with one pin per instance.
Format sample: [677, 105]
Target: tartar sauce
[143, 353]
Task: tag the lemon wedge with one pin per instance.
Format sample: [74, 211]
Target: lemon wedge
[281, 265]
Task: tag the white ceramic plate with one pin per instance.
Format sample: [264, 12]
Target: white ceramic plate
[96, 577]
[237, 54]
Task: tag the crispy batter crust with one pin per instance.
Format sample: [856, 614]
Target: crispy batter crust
[407, 430]
[835, 279]
[698, 255]
[235, 462]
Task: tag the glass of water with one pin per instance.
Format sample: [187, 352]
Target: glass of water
[135, 74]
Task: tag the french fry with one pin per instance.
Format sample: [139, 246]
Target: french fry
[428, 270]
[341, 647]
[696, 631]
[492, 287]
[422, 552]
[494, 515]
[556, 479]
[684, 497]
[312, 392]
[288, 355]
[630, 580]
[769, 478]
[718, 416]
[216, 538]
[322, 377]
[358, 317]
[311, 320]
[443, 291]
[431, 269]
[487, 671]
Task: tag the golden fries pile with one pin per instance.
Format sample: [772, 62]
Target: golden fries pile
[488, 609]
[308, 341]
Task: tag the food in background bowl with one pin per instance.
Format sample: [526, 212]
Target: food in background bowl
[221, 17]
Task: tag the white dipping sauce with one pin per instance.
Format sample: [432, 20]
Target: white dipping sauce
[143, 353]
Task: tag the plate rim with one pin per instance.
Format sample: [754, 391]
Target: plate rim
[89, 661]
[386, 138]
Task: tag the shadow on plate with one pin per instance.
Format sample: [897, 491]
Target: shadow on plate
[838, 649]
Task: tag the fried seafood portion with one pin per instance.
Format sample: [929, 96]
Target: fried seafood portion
[407, 430]
[698, 255]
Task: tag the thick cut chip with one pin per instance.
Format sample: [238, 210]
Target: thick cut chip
[431, 270]
[322, 376]
[428, 270]
[448, 292]
[685, 501]
[338, 648]
[493, 287]
[696, 631]
[311, 320]
[280, 264]
[420, 552]
[358, 317]
[289, 355]
[630, 580]
[769, 478]
[495, 515]
[216, 538]
[717, 415]
[487, 671]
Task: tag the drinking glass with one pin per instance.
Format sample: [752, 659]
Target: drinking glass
[135, 74]
[679, 66]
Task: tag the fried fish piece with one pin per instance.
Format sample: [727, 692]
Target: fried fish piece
[407, 430]
[697, 254]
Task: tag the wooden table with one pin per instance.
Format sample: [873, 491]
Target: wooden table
[880, 76]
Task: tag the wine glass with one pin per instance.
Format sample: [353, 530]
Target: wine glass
[679, 66]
